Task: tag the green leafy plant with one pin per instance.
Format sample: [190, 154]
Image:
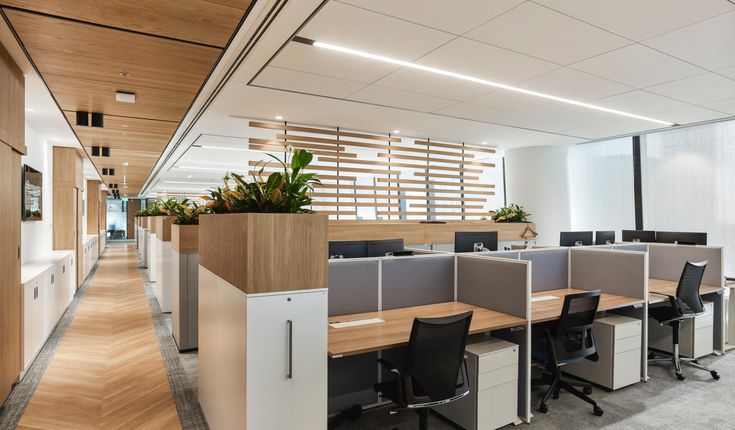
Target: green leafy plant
[168, 205]
[279, 192]
[511, 213]
[185, 212]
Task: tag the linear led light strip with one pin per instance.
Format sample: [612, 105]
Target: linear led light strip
[436, 71]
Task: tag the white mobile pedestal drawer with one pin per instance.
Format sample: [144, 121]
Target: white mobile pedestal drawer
[695, 335]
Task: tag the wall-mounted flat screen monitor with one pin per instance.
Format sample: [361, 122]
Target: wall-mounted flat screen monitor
[32, 194]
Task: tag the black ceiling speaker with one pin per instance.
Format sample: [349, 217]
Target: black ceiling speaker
[104, 171]
[105, 152]
[95, 151]
[112, 172]
[97, 120]
[83, 119]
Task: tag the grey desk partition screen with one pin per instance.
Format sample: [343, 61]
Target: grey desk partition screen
[623, 273]
[353, 288]
[667, 261]
[496, 284]
[642, 247]
[513, 255]
[550, 268]
[419, 280]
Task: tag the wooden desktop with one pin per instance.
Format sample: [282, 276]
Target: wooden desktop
[549, 310]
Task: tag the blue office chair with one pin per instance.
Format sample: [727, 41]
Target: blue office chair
[434, 372]
[567, 341]
[687, 304]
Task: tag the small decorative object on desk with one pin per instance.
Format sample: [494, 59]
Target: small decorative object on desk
[511, 213]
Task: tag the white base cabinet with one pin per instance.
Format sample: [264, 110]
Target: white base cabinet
[48, 288]
[696, 338]
[152, 246]
[90, 254]
[162, 288]
[618, 341]
[493, 399]
[262, 357]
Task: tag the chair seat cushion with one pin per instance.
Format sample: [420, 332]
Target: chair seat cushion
[662, 313]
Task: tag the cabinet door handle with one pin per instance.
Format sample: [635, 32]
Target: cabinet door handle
[289, 326]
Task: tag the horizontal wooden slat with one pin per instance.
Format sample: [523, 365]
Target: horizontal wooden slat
[284, 144]
[396, 197]
[297, 138]
[456, 146]
[437, 214]
[392, 164]
[337, 212]
[280, 150]
[284, 127]
[319, 176]
[434, 160]
[406, 189]
[356, 204]
[334, 168]
[446, 175]
[443, 206]
[426, 182]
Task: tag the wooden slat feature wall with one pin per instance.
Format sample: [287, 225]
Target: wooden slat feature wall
[68, 177]
[12, 103]
[93, 207]
[403, 167]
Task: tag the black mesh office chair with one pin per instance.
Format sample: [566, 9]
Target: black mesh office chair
[567, 341]
[434, 372]
[685, 305]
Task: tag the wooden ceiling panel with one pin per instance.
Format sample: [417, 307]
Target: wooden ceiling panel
[198, 21]
[75, 94]
[147, 126]
[123, 74]
[239, 4]
[54, 34]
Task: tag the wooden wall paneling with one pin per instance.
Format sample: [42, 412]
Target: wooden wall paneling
[393, 164]
[428, 182]
[446, 175]
[298, 138]
[457, 146]
[177, 19]
[280, 149]
[404, 189]
[274, 164]
[321, 176]
[79, 238]
[444, 206]
[64, 216]
[284, 127]
[103, 211]
[93, 207]
[65, 167]
[12, 103]
[348, 196]
[133, 208]
[283, 144]
[356, 204]
[10, 291]
[428, 159]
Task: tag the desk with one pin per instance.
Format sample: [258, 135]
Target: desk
[669, 287]
[396, 329]
[549, 310]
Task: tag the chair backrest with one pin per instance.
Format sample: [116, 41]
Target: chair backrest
[688, 289]
[436, 353]
[573, 338]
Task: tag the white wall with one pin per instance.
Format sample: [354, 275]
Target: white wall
[536, 178]
[37, 236]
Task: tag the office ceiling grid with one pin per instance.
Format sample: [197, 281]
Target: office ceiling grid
[87, 50]
[670, 60]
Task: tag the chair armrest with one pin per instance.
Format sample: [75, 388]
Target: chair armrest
[673, 301]
[388, 365]
[401, 381]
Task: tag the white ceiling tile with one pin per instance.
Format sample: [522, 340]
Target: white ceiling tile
[638, 66]
[519, 102]
[453, 17]
[541, 32]
[632, 125]
[640, 102]
[729, 72]
[727, 106]
[709, 44]
[573, 84]
[479, 60]
[307, 58]
[690, 114]
[636, 19]
[551, 125]
[400, 99]
[591, 132]
[583, 116]
[483, 113]
[434, 85]
[356, 28]
[699, 89]
[284, 79]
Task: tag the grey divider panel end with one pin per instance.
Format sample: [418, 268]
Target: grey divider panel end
[641, 247]
[615, 272]
[550, 269]
[415, 281]
[495, 284]
[353, 286]
[667, 261]
[512, 255]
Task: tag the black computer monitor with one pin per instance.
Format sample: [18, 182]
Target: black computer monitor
[603, 237]
[681, 237]
[639, 236]
[348, 249]
[379, 248]
[464, 241]
[570, 238]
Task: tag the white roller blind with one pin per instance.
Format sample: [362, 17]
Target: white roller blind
[689, 183]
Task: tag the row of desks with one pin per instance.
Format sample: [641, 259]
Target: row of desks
[396, 328]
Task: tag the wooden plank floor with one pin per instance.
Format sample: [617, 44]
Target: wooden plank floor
[108, 372]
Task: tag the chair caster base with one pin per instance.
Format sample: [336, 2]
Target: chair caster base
[543, 408]
[597, 411]
[680, 376]
[587, 390]
[715, 375]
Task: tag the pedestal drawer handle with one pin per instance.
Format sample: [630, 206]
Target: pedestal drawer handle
[289, 326]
